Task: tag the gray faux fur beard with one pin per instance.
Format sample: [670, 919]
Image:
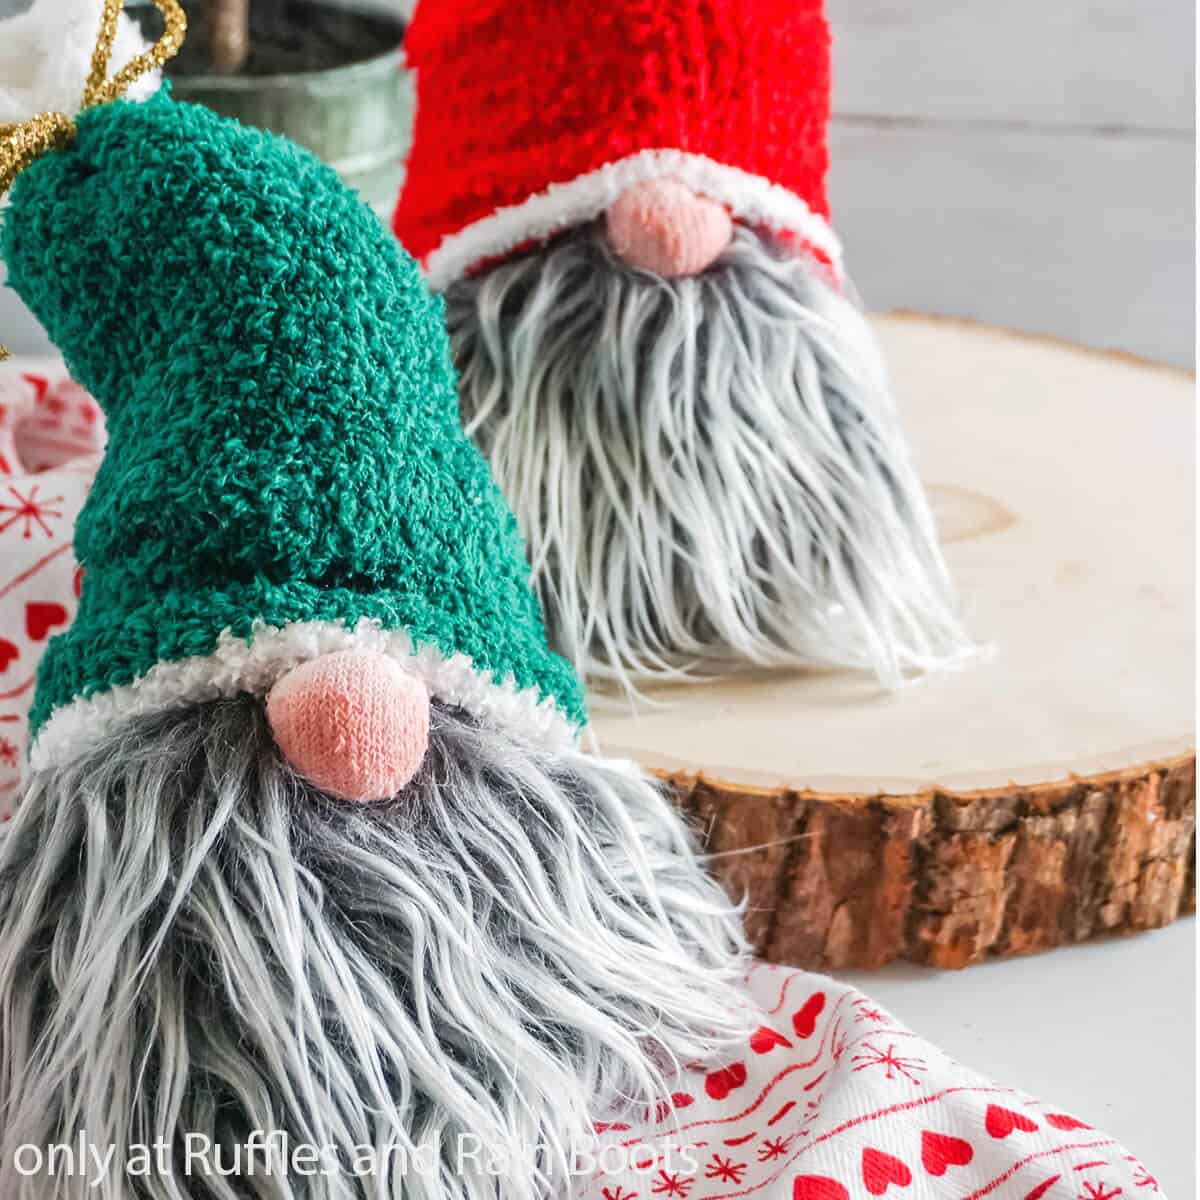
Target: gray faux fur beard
[194, 941]
[708, 471]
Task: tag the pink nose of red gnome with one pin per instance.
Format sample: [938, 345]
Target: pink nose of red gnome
[354, 724]
[664, 227]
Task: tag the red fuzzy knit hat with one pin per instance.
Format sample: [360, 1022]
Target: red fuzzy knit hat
[533, 116]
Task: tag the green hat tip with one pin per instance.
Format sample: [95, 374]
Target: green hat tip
[286, 470]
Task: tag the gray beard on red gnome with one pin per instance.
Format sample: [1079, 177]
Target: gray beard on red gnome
[709, 470]
[439, 992]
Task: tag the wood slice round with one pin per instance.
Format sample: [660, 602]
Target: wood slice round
[1042, 794]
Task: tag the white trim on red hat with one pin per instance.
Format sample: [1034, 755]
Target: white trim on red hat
[750, 198]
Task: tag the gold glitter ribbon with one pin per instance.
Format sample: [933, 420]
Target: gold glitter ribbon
[23, 144]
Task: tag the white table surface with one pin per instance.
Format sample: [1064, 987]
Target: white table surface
[1107, 1030]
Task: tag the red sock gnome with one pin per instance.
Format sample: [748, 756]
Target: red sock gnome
[625, 208]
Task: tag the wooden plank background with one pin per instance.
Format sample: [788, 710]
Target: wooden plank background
[1029, 164]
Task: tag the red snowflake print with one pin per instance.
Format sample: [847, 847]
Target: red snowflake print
[895, 1065]
[812, 1106]
[672, 1184]
[9, 754]
[1141, 1177]
[870, 1014]
[838, 1043]
[773, 1148]
[725, 1170]
[812, 1110]
[617, 1193]
[1098, 1191]
[32, 511]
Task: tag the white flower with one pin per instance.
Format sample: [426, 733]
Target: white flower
[46, 55]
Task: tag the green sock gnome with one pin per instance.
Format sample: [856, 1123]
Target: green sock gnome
[308, 848]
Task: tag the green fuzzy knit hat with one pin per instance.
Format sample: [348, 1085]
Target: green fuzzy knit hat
[286, 472]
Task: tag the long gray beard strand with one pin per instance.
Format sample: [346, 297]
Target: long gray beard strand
[709, 472]
[194, 941]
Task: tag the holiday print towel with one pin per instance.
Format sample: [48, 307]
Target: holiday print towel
[833, 1099]
[51, 441]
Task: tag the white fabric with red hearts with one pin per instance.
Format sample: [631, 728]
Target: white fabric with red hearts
[51, 443]
[833, 1099]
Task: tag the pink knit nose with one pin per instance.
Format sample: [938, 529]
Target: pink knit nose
[664, 227]
[354, 724]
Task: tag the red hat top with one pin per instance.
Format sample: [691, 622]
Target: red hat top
[533, 116]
